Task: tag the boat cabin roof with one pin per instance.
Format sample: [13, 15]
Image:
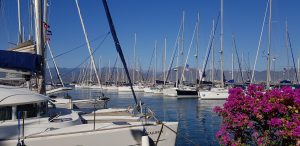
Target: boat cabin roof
[15, 96]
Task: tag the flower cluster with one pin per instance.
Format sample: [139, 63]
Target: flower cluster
[258, 117]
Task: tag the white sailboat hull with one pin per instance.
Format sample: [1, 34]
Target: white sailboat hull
[128, 89]
[105, 134]
[170, 92]
[220, 94]
[88, 86]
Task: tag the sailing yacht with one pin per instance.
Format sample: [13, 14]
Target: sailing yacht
[29, 118]
[24, 117]
[222, 92]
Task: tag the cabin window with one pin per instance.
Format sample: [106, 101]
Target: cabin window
[30, 110]
[5, 113]
[43, 108]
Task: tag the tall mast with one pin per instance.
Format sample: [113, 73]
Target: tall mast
[108, 75]
[259, 42]
[197, 47]
[164, 61]
[213, 56]
[232, 57]
[298, 66]
[182, 43]
[39, 44]
[177, 63]
[100, 75]
[155, 65]
[222, 44]
[88, 43]
[117, 78]
[30, 19]
[20, 23]
[287, 49]
[269, 47]
[134, 60]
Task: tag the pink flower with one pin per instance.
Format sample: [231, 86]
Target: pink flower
[257, 116]
[276, 122]
[296, 132]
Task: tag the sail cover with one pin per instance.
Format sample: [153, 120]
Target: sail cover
[20, 61]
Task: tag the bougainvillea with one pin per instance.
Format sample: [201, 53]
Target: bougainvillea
[259, 117]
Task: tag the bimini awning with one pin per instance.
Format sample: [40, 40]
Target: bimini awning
[20, 61]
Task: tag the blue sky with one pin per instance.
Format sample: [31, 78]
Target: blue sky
[154, 20]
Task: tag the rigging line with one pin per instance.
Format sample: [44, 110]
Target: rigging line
[209, 47]
[290, 45]
[150, 64]
[175, 49]
[86, 57]
[259, 42]
[187, 57]
[237, 55]
[71, 50]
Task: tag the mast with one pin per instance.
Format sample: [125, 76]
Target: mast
[30, 20]
[182, 43]
[119, 49]
[117, 78]
[164, 61]
[134, 60]
[298, 60]
[222, 44]
[20, 23]
[39, 44]
[188, 53]
[213, 56]
[259, 42]
[88, 43]
[269, 47]
[232, 57]
[241, 70]
[100, 68]
[177, 63]
[287, 49]
[155, 64]
[197, 47]
[109, 71]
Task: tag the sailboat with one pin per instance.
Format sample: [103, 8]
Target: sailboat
[171, 91]
[222, 92]
[25, 114]
[185, 91]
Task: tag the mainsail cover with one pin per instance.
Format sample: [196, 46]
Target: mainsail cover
[20, 61]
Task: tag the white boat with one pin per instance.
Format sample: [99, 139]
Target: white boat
[214, 93]
[187, 92]
[25, 120]
[82, 86]
[58, 90]
[170, 91]
[68, 129]
[148, 90]
[112, 88]
[128, 89]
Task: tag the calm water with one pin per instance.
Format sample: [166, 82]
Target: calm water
[197, 121]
